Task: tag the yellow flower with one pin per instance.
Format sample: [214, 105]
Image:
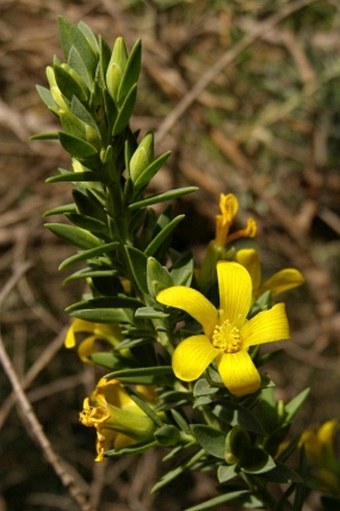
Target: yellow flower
[118, 419]
[229, 208]
[99, 331]
[283, 280]
[227, 332]
[320, 451]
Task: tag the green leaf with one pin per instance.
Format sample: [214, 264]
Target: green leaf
[60, 210]
[70, 35]
[111, 302]
[182, 270]
[172, 474]
[212, 440]
[226, 473]
[283, 474]
[47, 135]
[47, 98]
[163, 197]
[295, 404]
[76, 62]
[75, 177]
[137, 263]
[203, 388]
[105, 359]
[151, 170]
[131, 71]
[75, 235]
[150, 313]
[159, 240]
[91, 38]
[102, 315]
[158, 277]
[257, 461]
[142, 375]
[89, 273]
[88, 204]
[77, 147]
[89, 223]
[133, 449]
[220, 499]
[68, 85]
[102, 249]
[125, 111]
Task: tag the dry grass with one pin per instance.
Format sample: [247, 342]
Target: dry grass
[244, 109]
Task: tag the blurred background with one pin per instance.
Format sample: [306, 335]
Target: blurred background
[247, 97]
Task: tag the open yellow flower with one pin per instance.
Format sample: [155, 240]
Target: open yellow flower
[118, 420]
[98, 332]
[227, 333]
[283, 280]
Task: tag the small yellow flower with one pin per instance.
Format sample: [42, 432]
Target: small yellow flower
[99, 331]
[229, 208]
[118, 420]
[319, 445]
[227, 332]
[283, 280]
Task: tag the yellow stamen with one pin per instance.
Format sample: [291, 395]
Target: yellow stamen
[226, 337]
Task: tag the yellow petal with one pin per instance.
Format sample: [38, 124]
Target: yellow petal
[192, 356]
[266, 326]
[235, 290]
[238, 373]
[249, 258]
[78, 325]
[192, 302]
[282, 281]
[86, 348]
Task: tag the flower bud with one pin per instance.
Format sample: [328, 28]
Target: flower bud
[116, 67]
[142, 157]
[55, 91]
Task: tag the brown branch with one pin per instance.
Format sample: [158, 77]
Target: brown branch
[227, 58]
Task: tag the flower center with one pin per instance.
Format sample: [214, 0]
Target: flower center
[226, 337]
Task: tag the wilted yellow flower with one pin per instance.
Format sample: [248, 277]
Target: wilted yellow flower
[224, 220]
[98, 331]
[283, 280]
[227, 333]
[118, 420]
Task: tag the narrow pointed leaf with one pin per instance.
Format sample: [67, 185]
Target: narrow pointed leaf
[163, 197]
[152, 248]
[75, 235]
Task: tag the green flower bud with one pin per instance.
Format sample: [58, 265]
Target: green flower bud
[55, 91]
[116, 67]
[142, 157]
[236, 444]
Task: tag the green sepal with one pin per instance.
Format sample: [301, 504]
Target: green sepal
[212, 440]
[167, 435]
[230, 496]
[131, 71]
[163, 197]
[102, 249]
[151, 170]
[77, 147]
[125, 111]
[133, 449]
[75, 235]
[160, 238]
[142, 375]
